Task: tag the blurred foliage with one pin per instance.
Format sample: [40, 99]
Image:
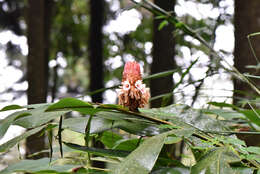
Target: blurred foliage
[134, 142]
[69, 34]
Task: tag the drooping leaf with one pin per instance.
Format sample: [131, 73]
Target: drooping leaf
[252, 116]
[37, 117]
[5, 123]
[98, 151]
[4, 147]
[143, 158]
[68, 103]
[78, 124]
[11, 107]
[40, 165]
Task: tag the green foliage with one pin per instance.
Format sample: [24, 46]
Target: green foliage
[159, 127]
[38, 166]
[135, 142]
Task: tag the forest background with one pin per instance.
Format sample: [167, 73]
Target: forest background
[56, 49]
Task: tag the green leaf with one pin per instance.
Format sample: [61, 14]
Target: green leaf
[40, 165]
[163, 24]
[253, 149]
[127, 144]
[112, 106]
[233, 141]
[131, 123]
[5, 123]
[69, 103]
[11, 107]
[37, 117]
[115, 115]
[223, 104]
[253, 157]
[252, 116]
[178, 134]
[98, 151]
[160, 17]
[139, 128]
[160, 74]
[78, 124]
[186, 117]
[227, 114]
[4, 147]
[216, 161]
[143, 158]
[164, 114]
[109, 139]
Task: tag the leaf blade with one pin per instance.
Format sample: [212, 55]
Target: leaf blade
[143, 158]
[14, 141]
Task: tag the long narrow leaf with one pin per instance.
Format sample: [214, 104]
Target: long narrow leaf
[5, 123]
[142, 160]
[4, 147]
[11, 107]
[40, 165]
[98, 151]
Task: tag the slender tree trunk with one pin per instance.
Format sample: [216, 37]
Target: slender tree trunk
[96, 57]
[38, 23]
[96, 48]
[163, 60]
[247, 17]
[163, 55]
[247, 21]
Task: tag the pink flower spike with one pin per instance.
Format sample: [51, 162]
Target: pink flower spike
[133, 93]
[132, 71]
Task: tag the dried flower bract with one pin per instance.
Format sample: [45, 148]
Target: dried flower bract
[133, 93]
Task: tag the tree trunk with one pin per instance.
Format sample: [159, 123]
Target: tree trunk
[96, 58]
[38, 23]
[163, 60]
[163, 55]
[247, 17]
[247, 21]
[96, 48]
